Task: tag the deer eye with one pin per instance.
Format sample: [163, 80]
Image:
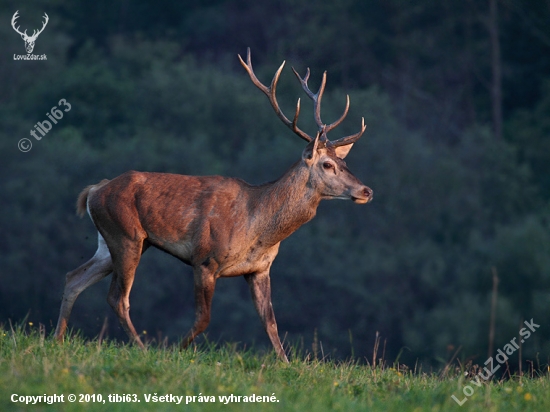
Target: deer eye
[328, 165]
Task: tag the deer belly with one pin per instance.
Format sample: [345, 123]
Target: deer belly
[253, 261]
[181, 250]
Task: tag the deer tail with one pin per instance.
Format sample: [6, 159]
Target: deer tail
[82, 201]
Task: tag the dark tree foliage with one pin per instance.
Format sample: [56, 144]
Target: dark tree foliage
[157, 86]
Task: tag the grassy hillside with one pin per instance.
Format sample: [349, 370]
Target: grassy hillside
[32, 365]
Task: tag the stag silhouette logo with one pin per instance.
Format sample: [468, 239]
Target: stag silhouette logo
[29, 40]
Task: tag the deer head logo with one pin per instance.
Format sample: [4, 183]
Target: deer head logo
[29, 40]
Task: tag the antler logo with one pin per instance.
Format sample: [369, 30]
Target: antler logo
[29, 40]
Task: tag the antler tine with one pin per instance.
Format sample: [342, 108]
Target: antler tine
[341, 119]
[270, 92]
[303, 81]
[349, 139]
[316, 97]
[248, 68]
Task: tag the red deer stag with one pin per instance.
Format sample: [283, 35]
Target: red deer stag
[221, 226]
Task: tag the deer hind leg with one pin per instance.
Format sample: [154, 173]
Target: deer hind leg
[205, 282]
[124, 270]
[260, 288]
[99, 266]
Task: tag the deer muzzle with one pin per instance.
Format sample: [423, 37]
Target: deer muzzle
[362, 196]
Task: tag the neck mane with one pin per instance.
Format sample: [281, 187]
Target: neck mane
[282, 206]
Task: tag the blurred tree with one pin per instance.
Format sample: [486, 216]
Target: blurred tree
[529, 130]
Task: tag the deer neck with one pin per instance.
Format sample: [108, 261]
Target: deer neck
[284, 205]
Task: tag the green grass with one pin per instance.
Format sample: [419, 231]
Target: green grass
[31, 364]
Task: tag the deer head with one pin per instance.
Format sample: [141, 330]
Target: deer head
[323, 157]
[29, 40]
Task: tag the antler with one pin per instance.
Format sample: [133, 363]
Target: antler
[13, 22]
[324, 129]
[349, 139]
[270, 93]
[316, 97]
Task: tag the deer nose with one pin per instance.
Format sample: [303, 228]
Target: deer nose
[367, 191]
[363, 195]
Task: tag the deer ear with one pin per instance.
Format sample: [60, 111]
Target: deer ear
[310, 152]
[342, 151]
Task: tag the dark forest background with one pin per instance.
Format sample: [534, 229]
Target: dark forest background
[456, 95]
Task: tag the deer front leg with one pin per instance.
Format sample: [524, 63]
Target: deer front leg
[205, 283]
[260, 288]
